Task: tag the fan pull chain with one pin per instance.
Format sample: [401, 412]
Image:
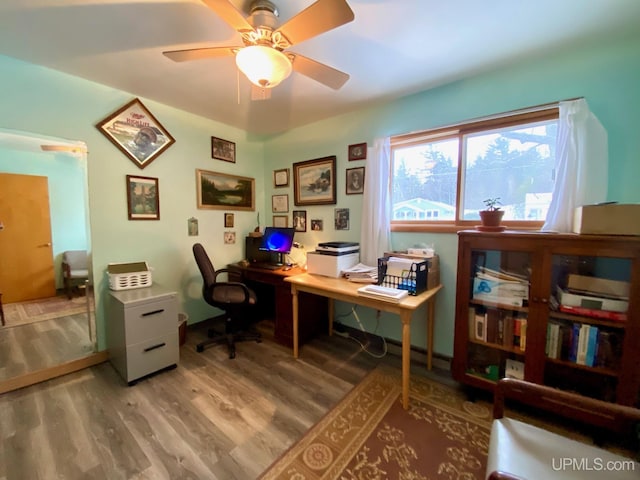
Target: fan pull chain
[238, 85]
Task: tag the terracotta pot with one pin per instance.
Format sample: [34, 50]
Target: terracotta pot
[491, 218]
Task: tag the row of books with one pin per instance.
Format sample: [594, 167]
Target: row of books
[583, 344]
[498, 326]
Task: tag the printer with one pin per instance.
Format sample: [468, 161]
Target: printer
[332, 258]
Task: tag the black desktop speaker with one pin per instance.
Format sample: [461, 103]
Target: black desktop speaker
[252, 250]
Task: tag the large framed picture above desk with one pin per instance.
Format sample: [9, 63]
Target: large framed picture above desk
[275, 302]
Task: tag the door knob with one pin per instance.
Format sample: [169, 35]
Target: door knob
[45, 245]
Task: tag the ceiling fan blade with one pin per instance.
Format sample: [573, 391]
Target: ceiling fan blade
[200, 53]
[319, 72]
[320, 17]
[229, 13]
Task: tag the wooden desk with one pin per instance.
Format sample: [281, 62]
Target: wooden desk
[274, 300]
[343, 290]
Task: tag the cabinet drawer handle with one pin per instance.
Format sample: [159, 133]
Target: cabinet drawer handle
[160, 345]
[153, 313]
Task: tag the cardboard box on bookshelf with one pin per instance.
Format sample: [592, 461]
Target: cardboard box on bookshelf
[607, 219]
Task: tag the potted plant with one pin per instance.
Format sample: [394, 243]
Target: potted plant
[491, 216]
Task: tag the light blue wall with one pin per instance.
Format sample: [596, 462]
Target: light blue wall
[67, 189]
[607, 75]
[40, 100]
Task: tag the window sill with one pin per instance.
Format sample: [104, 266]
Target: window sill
[451, 228]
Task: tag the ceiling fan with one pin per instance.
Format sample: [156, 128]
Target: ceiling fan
[264, 58]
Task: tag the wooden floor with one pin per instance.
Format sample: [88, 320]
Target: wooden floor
[210, 418]
[31, 347]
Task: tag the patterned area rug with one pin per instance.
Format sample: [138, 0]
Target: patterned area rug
[368, 435]
[23, 313]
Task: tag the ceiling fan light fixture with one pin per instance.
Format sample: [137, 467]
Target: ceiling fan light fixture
[264, 66]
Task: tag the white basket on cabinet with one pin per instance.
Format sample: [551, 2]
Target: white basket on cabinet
[126, 276]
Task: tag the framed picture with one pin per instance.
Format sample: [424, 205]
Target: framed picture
[300, 220]
[358, 151]
[280, 221]
[279, 203]
[314, 182]
[192, 227]
[228, 220]
[341, 218]
[136, 133]
[281, 178]
[221, 191]
[223, 150]
[316, 225]
[143, 201]
[229, 238]
[355, 180]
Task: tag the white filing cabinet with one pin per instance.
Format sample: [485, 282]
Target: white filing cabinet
[142, 331]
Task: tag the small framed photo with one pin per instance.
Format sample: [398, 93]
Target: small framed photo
[281, 178]
[192, 227]
[136, 133]
[355, 181]
[358, 151]
[300, 220]
[228, 220]
[316, 225]
[143, 201]
[281, 221]
[229, 238]
[341, 219]
[279, 203]
[223, 150]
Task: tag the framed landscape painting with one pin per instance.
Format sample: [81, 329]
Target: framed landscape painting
[314, 182]
[143, 200]
[221, 191]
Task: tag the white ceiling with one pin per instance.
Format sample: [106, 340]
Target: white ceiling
[391, 49]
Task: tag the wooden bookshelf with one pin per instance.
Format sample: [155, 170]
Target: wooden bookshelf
[545, 261]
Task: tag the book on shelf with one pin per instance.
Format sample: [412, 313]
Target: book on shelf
[593, 313]
[583, 339]
[520, 332]
[609, 349]
[507, 338]
[592, 346]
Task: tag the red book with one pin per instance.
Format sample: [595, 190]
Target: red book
[593, 313]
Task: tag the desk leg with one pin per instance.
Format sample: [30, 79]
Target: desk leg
[430, 324]
[331, 318]
[294, 296]
[405, 317]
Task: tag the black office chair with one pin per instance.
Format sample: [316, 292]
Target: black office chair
[235, 298]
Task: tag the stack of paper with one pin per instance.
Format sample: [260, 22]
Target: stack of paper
[361, 273]
[500, 287]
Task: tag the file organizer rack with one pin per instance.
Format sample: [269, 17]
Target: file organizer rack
[415, 280]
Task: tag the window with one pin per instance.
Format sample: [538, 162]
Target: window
[441, 177]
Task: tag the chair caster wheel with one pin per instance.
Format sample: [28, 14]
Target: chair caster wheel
[199, 348]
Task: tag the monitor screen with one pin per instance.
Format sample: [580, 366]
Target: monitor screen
[277, 240]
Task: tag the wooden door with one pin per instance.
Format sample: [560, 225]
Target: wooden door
[26, 258]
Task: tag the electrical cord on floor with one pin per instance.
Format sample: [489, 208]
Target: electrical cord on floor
[363, 346]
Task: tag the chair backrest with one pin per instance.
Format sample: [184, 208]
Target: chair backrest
[76, 259]
[205, 265]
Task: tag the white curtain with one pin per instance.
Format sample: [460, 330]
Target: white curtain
[376, 204]
[582, 164]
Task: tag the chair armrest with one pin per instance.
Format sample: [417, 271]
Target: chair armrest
[588, 410]
[497, 475]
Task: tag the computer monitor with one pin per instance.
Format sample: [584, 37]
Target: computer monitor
[278, 241]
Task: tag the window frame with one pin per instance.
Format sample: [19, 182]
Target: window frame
[522, 117]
